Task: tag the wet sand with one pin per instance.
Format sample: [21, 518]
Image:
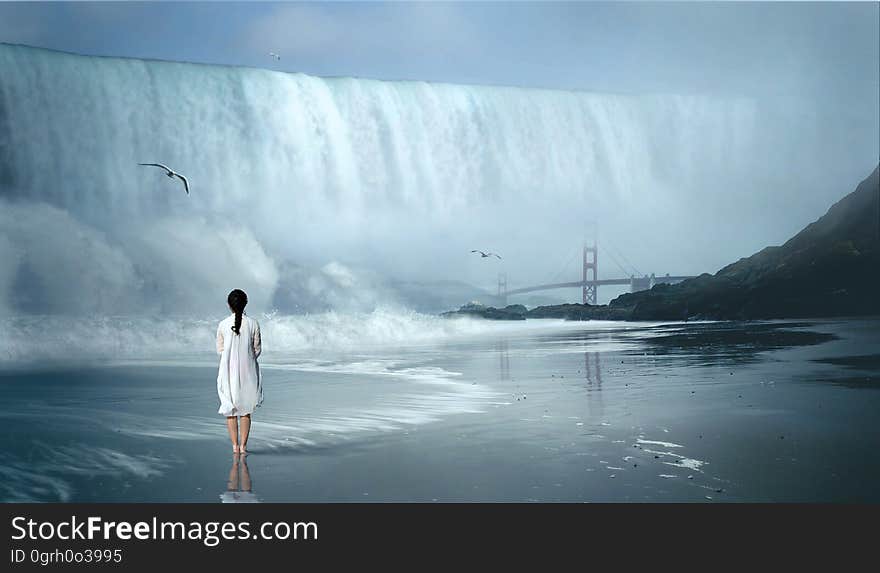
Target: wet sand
[705, 412]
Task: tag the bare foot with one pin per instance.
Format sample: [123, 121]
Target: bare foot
[235, 449]
[243, 450]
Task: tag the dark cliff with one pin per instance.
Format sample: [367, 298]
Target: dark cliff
[830, 268]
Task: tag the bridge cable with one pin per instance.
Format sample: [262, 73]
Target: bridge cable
[565, 268]
[625, 260]
[619, 266]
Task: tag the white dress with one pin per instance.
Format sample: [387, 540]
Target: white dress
[238, 378]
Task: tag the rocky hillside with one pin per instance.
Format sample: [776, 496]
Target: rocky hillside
[831, 268]
[520, 312]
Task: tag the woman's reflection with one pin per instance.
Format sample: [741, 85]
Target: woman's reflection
[238, 488]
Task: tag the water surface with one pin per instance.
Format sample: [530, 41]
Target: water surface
[549, 411]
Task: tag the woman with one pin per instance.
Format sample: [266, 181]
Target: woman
[238, 379]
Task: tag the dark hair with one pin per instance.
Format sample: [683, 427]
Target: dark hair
[237, 300]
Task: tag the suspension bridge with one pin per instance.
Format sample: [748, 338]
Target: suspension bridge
[590, 282]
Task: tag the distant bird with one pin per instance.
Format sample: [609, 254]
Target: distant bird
[274, 55]
[484, 255]
[170, 173]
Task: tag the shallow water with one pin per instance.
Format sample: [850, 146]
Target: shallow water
[545, 411]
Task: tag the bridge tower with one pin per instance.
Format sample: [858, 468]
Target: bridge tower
[502, 288]
[590, 269]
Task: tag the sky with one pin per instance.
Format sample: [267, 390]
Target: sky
[821, 60]
[828, 50]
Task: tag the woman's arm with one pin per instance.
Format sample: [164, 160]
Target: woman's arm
[258, 342]
[219, 341]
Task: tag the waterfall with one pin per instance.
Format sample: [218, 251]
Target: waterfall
[293, 174]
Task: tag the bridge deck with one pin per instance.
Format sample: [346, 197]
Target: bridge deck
[601, 282]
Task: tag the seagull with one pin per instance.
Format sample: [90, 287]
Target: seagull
[171, 173]
[274, 55]
[484, 255]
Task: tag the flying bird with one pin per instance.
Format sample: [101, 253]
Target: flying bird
[274, 55]
[171, 173]
[484, 255]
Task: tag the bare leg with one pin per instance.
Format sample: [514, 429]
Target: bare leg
[245, 431]
[232, 426]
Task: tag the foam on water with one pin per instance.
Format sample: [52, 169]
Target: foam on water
[656, 443]
[188, 341]
[46, 475]
[416, 395]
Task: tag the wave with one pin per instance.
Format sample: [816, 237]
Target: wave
[53, 338]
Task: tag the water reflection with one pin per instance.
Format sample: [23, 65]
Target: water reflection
[239, 488]
[593, 369]
[504, 359]
[697, 344]
[593, 375]
[731, 343]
